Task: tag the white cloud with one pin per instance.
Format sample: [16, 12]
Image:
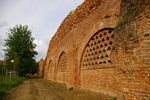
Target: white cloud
[41, 48]
[42, 16]
[3, 24]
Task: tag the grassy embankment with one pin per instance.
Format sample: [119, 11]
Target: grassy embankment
[7, 84]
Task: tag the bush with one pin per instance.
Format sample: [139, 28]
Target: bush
[115, 98]
[71, 88]
[7, 84]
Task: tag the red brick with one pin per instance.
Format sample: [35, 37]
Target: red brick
[123, 60]
[130, 97]
[144, 98]
[142, 92]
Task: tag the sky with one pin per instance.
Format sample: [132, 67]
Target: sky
[43, 18]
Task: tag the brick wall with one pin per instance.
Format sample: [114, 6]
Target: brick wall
[103, 46]
[50, 71]
[41, 68]
[132, 50]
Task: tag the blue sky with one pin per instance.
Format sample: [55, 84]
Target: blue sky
[42, 16]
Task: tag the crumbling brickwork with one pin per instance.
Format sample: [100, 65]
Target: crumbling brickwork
[132, 50]
[41, 68]
[104, 46]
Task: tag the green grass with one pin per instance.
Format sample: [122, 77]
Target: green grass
[114, 98]
[7, 84]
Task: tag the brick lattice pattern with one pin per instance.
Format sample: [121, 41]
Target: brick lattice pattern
[62, 64]
[97, 52]
[103, 46]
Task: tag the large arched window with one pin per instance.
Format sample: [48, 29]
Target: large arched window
[98, 49]
[62, 63]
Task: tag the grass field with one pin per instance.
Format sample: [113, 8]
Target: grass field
[7, 84]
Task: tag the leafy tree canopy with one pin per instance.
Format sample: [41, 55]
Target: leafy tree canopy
[21, 49]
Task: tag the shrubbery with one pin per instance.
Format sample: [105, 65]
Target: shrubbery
[7, 84]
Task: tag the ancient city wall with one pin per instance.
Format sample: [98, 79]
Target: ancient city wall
[104, 46]
[132, 50]
[41, 68]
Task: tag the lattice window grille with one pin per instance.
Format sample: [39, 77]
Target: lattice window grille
[97, 51]
[62, 64]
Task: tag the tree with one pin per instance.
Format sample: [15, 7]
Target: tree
[2, 69]
[20, 47]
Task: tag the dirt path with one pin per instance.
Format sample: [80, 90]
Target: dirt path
[41, 89]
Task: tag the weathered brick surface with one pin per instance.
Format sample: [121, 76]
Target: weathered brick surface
[41, 67]
[100, 80]
[104, 46]
[132, 50]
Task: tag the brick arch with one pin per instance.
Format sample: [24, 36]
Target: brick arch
[98, 49]
[49, 65]
[62, 68]
[62, 62]
[50, 69]
[107, 23]
[46, 70]
[96, 64]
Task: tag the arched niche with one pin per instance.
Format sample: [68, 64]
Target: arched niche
[97, 51]
[62, 68]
